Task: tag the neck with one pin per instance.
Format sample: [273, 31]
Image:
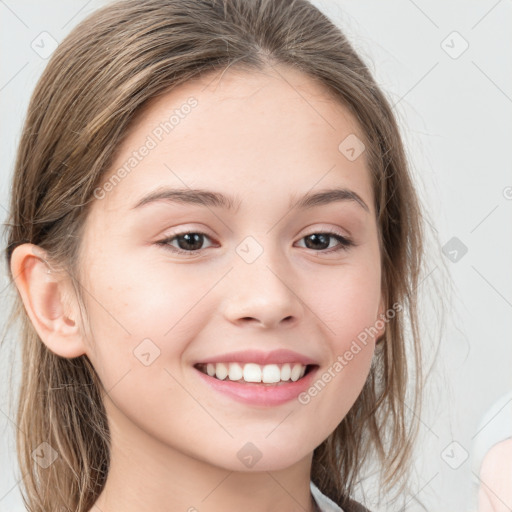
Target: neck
[145, 475]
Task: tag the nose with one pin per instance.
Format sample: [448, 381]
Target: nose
[263, 293]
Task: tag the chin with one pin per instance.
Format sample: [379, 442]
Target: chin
[263, 456]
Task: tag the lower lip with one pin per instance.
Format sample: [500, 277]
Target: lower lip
[254, 393]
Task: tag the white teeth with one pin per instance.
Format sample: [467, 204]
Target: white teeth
[296, 371]
[235, 371]
[271, 373]
[252, 372]
[210, 369]
[221, 371]
[286, 372]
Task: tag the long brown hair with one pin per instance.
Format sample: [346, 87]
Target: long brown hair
[97, 80]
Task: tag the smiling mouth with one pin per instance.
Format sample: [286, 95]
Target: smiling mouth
[252, 373]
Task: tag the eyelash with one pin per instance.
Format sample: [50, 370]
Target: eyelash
[344, 242]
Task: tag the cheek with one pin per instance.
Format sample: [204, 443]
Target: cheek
[136, 315]
[338, 383]
[144, 317]
[348, 309]
[348, 303]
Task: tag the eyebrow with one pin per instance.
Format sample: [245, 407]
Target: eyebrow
[210, 198]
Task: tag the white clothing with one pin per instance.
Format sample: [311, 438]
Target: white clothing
[324, 503]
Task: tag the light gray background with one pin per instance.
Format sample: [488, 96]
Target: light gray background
[455, 114]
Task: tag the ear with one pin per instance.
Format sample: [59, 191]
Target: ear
[49, 300]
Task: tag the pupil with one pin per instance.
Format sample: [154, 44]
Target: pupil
[324, 241]
[191, 239]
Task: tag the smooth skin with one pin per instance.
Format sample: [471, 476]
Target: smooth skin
[266, 138]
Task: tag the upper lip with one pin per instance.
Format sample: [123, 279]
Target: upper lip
[259, 357]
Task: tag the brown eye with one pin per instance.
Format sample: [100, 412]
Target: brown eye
[322, 242]
[189, 242]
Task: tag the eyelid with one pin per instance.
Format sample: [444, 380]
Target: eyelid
[344, 242]
[165, 242]
[345, 235]
[329, 230]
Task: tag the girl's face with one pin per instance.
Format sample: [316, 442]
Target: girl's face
[262, 269]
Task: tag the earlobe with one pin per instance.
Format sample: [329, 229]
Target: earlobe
[43, 290]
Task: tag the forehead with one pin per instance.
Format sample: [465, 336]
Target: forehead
[236, 129]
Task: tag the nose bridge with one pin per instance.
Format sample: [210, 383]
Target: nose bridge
[262, 285]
